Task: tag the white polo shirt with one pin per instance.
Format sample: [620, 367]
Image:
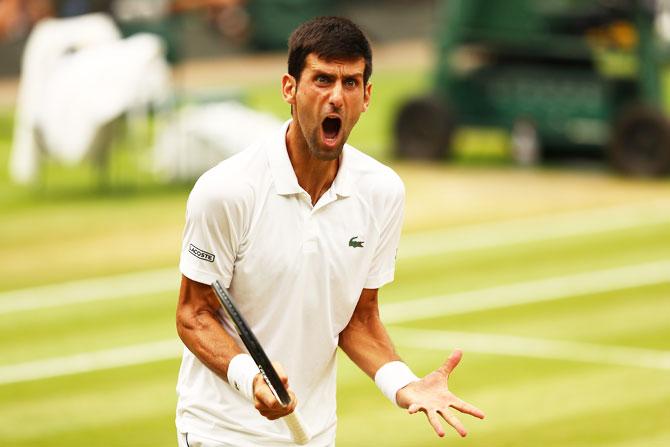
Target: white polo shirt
[296, 272]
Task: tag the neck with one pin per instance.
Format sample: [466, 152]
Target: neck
[314, 175]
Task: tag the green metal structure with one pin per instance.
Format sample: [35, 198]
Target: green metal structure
[274, 20]
[560, 75]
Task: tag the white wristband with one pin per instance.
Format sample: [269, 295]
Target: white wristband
[241, 372]
[393, 376]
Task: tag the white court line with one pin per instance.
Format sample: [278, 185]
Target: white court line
[545, 289]
[94, 289]
[513, 294]
[532, 347]
[524, 230]
[413, 338]
[413, 245]
[90, 361]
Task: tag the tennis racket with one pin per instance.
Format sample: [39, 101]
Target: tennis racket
[293, 420]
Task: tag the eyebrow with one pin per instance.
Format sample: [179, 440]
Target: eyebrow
[331, 74]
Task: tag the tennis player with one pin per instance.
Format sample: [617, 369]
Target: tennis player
[303, 229]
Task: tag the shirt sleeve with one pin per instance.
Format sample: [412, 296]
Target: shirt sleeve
[212, 234]
[382, 269]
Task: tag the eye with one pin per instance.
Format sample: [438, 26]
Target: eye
[351, 82]
[322, 79]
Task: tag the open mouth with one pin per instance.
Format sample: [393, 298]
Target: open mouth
[331, 128]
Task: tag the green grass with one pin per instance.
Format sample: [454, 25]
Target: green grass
[50, 242]
[99, 325]
[525, 262]
[124, 407]
[641, 316]
[528, 401]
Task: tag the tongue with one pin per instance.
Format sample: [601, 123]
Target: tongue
[331, 126]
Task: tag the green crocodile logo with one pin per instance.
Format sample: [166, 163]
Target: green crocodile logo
[354, 243]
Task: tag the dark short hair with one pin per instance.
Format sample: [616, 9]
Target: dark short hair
[329, 38]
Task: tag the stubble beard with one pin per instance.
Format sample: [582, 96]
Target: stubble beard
[313, 141]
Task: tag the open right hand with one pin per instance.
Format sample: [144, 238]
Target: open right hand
[431, 396]
[265, 401]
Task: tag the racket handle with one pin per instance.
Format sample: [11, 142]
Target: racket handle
[297, 427]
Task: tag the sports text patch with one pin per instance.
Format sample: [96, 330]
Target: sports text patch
[201, 254]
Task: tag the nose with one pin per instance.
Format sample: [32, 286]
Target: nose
[336, 97]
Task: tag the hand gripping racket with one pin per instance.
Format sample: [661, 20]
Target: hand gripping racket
[293, 420]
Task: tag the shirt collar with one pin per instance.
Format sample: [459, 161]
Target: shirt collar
[286, 182]
[342, 183]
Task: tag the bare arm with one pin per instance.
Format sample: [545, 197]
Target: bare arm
[367, 343]
[199, 328]
[365, 339]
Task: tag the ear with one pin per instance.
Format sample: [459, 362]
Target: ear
[289, 87]
[367, 93]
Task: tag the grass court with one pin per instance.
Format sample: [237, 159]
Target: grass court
[556, 284]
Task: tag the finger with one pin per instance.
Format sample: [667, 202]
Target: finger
[264, 398]
[414, 408]
[435, 422]
[454, 422]
[281, 373]
[452, 362]
[293, 404]
[273, 414]
[467, 408]
[278, 412]
[258, 382]
[284, 378]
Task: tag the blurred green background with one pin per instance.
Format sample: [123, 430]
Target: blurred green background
[554, 280]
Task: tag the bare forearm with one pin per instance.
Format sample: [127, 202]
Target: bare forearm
[204, 336]
[199, 328]
[365, 339]
[368, 348]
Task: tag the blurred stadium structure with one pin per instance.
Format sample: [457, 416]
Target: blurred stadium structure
[101, 67]
[212, 28]
[560, 75]
[199, 136]
[552, 77]
[78, 79]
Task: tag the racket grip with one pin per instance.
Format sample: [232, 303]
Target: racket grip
[297, 427]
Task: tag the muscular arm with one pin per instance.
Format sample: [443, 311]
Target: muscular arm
[367, 343]
[365, 339]
[199, 328]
